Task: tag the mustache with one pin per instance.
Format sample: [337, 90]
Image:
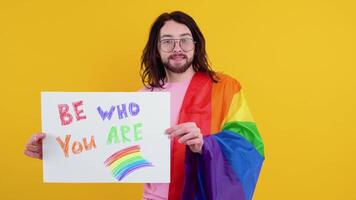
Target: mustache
[177, 54]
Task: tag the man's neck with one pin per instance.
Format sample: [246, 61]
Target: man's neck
[179, 77]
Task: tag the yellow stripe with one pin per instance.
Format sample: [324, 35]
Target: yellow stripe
[123, 159]
[238, 110]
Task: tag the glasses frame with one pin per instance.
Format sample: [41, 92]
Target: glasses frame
[174, 45]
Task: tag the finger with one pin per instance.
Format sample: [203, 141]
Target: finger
[179, 126]
[33, 155]
[35, 144]
[34, 148]
[36, 139]
[196, 141]
[172, 129]
[191, 135]
[179, 132]
[40, 136]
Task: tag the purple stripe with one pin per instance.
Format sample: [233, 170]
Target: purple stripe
[209, 175]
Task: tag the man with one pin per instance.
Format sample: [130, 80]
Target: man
[217, 152]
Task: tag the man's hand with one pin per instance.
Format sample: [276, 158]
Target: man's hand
[34, 146]
[189, 134]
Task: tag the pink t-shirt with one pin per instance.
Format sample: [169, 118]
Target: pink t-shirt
[159, 191]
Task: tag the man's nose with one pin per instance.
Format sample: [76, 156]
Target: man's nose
[176, 47]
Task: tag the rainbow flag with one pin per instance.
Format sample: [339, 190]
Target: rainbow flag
[126, 161]
[233, 151]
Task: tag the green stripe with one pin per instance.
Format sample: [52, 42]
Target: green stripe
[249, 131]
[125, 163]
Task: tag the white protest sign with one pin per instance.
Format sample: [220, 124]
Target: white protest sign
[106, 136]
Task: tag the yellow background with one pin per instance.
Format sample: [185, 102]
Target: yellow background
[295, 60]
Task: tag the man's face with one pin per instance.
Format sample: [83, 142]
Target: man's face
[176, 59]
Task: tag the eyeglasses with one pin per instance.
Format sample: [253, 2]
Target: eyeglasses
[186, 44]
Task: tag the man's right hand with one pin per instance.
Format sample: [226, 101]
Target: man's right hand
[34, 146]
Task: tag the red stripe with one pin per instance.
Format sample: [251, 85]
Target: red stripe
[196, 108]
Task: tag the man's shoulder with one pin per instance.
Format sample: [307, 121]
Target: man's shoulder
[144, 89]
[227, 80]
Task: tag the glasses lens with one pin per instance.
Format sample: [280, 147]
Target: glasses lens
[187, 44]
[167, 45]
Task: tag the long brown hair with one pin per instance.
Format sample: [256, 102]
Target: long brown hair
[152, 69]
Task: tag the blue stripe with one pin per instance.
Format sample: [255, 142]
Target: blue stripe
[243, 157]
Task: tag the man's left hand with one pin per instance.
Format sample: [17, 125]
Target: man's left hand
[189, 134]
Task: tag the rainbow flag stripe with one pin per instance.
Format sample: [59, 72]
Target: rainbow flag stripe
[126, 161]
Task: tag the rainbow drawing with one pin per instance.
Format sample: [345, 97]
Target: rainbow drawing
[126, 161]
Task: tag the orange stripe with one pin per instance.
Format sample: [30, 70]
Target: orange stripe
[222, 94]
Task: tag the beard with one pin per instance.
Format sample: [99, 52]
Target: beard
[181, 68]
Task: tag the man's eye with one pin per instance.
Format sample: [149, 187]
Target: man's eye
[185, 40]
[166, 41]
